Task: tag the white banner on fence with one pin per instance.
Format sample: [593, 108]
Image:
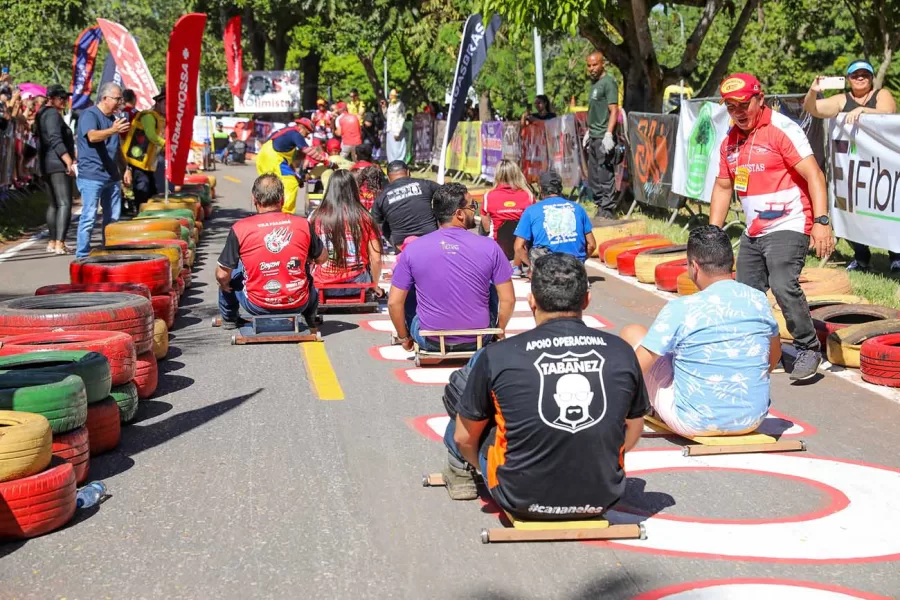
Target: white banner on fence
[269, 92]
[865, 177]
[702, 127]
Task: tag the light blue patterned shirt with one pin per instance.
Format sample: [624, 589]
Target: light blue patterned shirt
[719, 341]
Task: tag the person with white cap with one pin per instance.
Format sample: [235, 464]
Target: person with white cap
[861, 99]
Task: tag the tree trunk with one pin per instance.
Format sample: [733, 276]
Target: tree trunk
[720, 69]
[372, 75]
[886, 56]
[256, 38]
[310, 65]
[279, 47]
[484, 106]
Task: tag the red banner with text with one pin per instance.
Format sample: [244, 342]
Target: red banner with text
[135, 74]
[182, 71]
[234, 55]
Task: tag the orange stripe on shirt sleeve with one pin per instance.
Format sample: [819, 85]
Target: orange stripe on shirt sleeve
[496, 455]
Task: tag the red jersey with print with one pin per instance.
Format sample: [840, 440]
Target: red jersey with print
[774, 196]
[505, 203]
[274, 248]
[356, 259]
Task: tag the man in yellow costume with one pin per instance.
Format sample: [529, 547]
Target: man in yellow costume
[144, 147]
[277, 155]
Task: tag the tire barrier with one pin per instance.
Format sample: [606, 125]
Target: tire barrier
[821, 282]
[831, 318]
[146, 376]
[879, 360]
[25, 445]
[37, 504]
[160, 339]
[603, 246]
[179, 287]
[611, 254]
[104, 426]
[74, 448]
[164, 309]
[148, 217]
[81, 312]
[149, 269]
[117, 347]
[173, 254]
[123, 229]
[91, 367]
[187, 204]
[58, 397]
[666, 274]
[126, 396]
[685, 286]
[137, 289]
[646, 262]
[814, 302]
[626, 262]
[143, 235]
[610, 229]
[843, 346]
[187, 257]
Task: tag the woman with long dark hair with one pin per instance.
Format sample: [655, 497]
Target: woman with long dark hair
[350, 236]
[57, 155]
[371, 181]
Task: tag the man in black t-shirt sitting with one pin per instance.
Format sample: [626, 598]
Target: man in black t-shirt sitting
[547, 415]
[403, 208]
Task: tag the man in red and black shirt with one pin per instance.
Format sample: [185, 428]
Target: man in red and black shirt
[548, 415]
[263, 266]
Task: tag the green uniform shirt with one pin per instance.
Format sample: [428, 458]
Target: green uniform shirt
[603, 93]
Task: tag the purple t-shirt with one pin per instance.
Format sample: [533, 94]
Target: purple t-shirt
[452, 270]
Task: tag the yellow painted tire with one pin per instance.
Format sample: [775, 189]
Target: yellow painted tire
[148, 235]
[842, 346]
[814, 302]
[611, 256]
[129, 228]
[26, 444]
[160, 339]
[646, 262]
[610, 229]
[173, 253]
[821, 282]
[686, 287]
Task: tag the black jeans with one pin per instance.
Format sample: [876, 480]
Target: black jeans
[863, 255]
[775, 260]
[59, 209]
[602, 178]
[143, 184]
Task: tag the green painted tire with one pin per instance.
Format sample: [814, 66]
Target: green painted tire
[127, 398]
[186, 234]
[92, 367]
[58, 396]
[174, 213]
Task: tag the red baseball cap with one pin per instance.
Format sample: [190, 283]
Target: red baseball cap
[333, 145]
[740, 86]
[305, 122]
[341, 105]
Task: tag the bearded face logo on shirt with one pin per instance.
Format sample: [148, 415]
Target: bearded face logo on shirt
[277, 239]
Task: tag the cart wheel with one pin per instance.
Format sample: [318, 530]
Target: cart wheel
[643, 528]
[425, 480]
[233, 340]
[485, 537]
[418, 361]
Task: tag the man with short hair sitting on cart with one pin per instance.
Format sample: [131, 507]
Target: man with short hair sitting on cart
[707, 357]
[450, 279]
[547, 416]
[263, 267]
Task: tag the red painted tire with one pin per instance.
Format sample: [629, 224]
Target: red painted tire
[207, 211]
[146, 376]
[625, 262]
[74, 448]
[36, 505]
[138, 289]
[97, 311]
[178, 284]
[104, 426]
[187, 276]
[174, 296]
[164, 309]
[829, 319]
[879, 360]
[601, 249]
[182, 245]
[117, 347]
[667, 274]
[152, 270]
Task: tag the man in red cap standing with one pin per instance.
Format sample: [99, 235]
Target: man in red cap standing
[348, 128]
[766, 158]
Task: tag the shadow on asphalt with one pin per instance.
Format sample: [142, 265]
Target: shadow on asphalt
[139, 438]
[614, 587]
[150, 409]
[592, 279]
[330, 327]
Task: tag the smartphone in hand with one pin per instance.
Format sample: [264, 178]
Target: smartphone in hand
[831, 83]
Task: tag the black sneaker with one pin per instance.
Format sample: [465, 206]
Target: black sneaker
[806, 364]
[232, 325]
[459, 479]
[860, 267]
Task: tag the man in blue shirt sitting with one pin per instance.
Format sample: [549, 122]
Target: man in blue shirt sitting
[707, 357]
[98, 180]
[554, 224]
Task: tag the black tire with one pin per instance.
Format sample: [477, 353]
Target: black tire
[58, 396]
[92, 367]
[126, 396]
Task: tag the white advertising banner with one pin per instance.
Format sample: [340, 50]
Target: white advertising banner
[701, 129]
[269, 92]
[865, 177]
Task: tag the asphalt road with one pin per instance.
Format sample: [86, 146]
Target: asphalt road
[237, 481]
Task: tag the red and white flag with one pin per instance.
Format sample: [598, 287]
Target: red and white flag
[234, 55]
[182, 71]
[135, 74]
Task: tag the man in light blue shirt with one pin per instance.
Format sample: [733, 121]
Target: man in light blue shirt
[553, 225]
[707, 357]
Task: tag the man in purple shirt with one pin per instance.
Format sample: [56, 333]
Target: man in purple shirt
[450, 278]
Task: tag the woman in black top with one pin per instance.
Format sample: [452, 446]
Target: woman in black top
[543, 111]
[57, 155]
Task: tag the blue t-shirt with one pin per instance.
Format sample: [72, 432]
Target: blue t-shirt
[557, 224]
[96, 160]
[287, 139]
[719, 340]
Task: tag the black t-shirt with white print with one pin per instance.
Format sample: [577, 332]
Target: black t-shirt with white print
[559, 396]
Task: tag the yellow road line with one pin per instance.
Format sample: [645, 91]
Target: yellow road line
[321, 374]
[231, 179]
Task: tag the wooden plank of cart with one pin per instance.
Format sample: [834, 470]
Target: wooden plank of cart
[433, 357]
[551, 531]
[272, 329]
[729, 444]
